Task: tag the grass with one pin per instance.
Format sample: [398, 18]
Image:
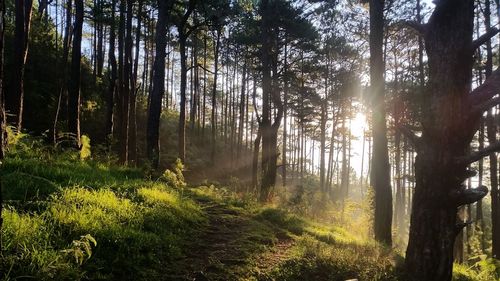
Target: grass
[73, 219]
[57, 205]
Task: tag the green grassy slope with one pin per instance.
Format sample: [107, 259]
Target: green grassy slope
[68, 219]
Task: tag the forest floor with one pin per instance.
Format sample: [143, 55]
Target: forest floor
[72, 219]
[233, 245]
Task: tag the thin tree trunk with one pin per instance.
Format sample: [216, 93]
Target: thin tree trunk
[15, 96]
[214, 93]
[110, 97]
[182, 114]
[74, 83]
[2, 110]
[122, 114]
[64, 67]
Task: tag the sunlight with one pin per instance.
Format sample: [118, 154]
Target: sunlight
[358, 124]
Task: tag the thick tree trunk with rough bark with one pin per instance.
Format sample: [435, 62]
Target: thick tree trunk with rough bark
[380, 173]
[270, 96]
[156, 95]
[450, 118]
[75, 70]
[492, 133]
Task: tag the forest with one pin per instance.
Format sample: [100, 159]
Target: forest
[200, 140]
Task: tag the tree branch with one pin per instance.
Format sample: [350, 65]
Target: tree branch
[487, 90]
[420, 28]
[461, 226]
[469, 196]
[487, 105]
[408, 133]
[200, 66]
[484, 38]
[476, 156]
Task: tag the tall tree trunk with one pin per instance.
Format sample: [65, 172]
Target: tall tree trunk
[121, 118]
[74, 82]
[100, 39]
[15, 95]
[284, 156]
[242, 108]
[132, 77]
[156, 96]
[64, 66]
[492, 133]
[380, 174]
[2, 110]
[268, 128]
[110, 97]
[204, 109]
[182, 114]
[184, 33]
[450, 118]
[324, 117]
[214, 92]
[42, 7]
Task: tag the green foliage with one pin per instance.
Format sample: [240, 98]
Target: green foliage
[173, 177]
[486, 269]
[29, 251]
[315, 260]
[85, 149]
[81, 249]
[282, 219]
[82, 219]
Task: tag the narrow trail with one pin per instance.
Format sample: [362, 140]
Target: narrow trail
[233, 246]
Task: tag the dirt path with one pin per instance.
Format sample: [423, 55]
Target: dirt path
[233, 246]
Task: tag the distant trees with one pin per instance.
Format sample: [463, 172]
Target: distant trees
[267, 96]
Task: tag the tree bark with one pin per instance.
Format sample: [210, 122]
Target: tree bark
[75, 75]
[270, 95]
[380, 174]
[449, 122]
[214, 93]
[182, 114]
[2, 109]
[131, 83]
[184, 33]
[15, 95]
[156, 96]
[110, 97]
[492, 133]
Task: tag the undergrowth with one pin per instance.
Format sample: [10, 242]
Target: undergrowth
[69, 217]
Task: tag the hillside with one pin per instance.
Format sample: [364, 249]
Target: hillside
[73, 219]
